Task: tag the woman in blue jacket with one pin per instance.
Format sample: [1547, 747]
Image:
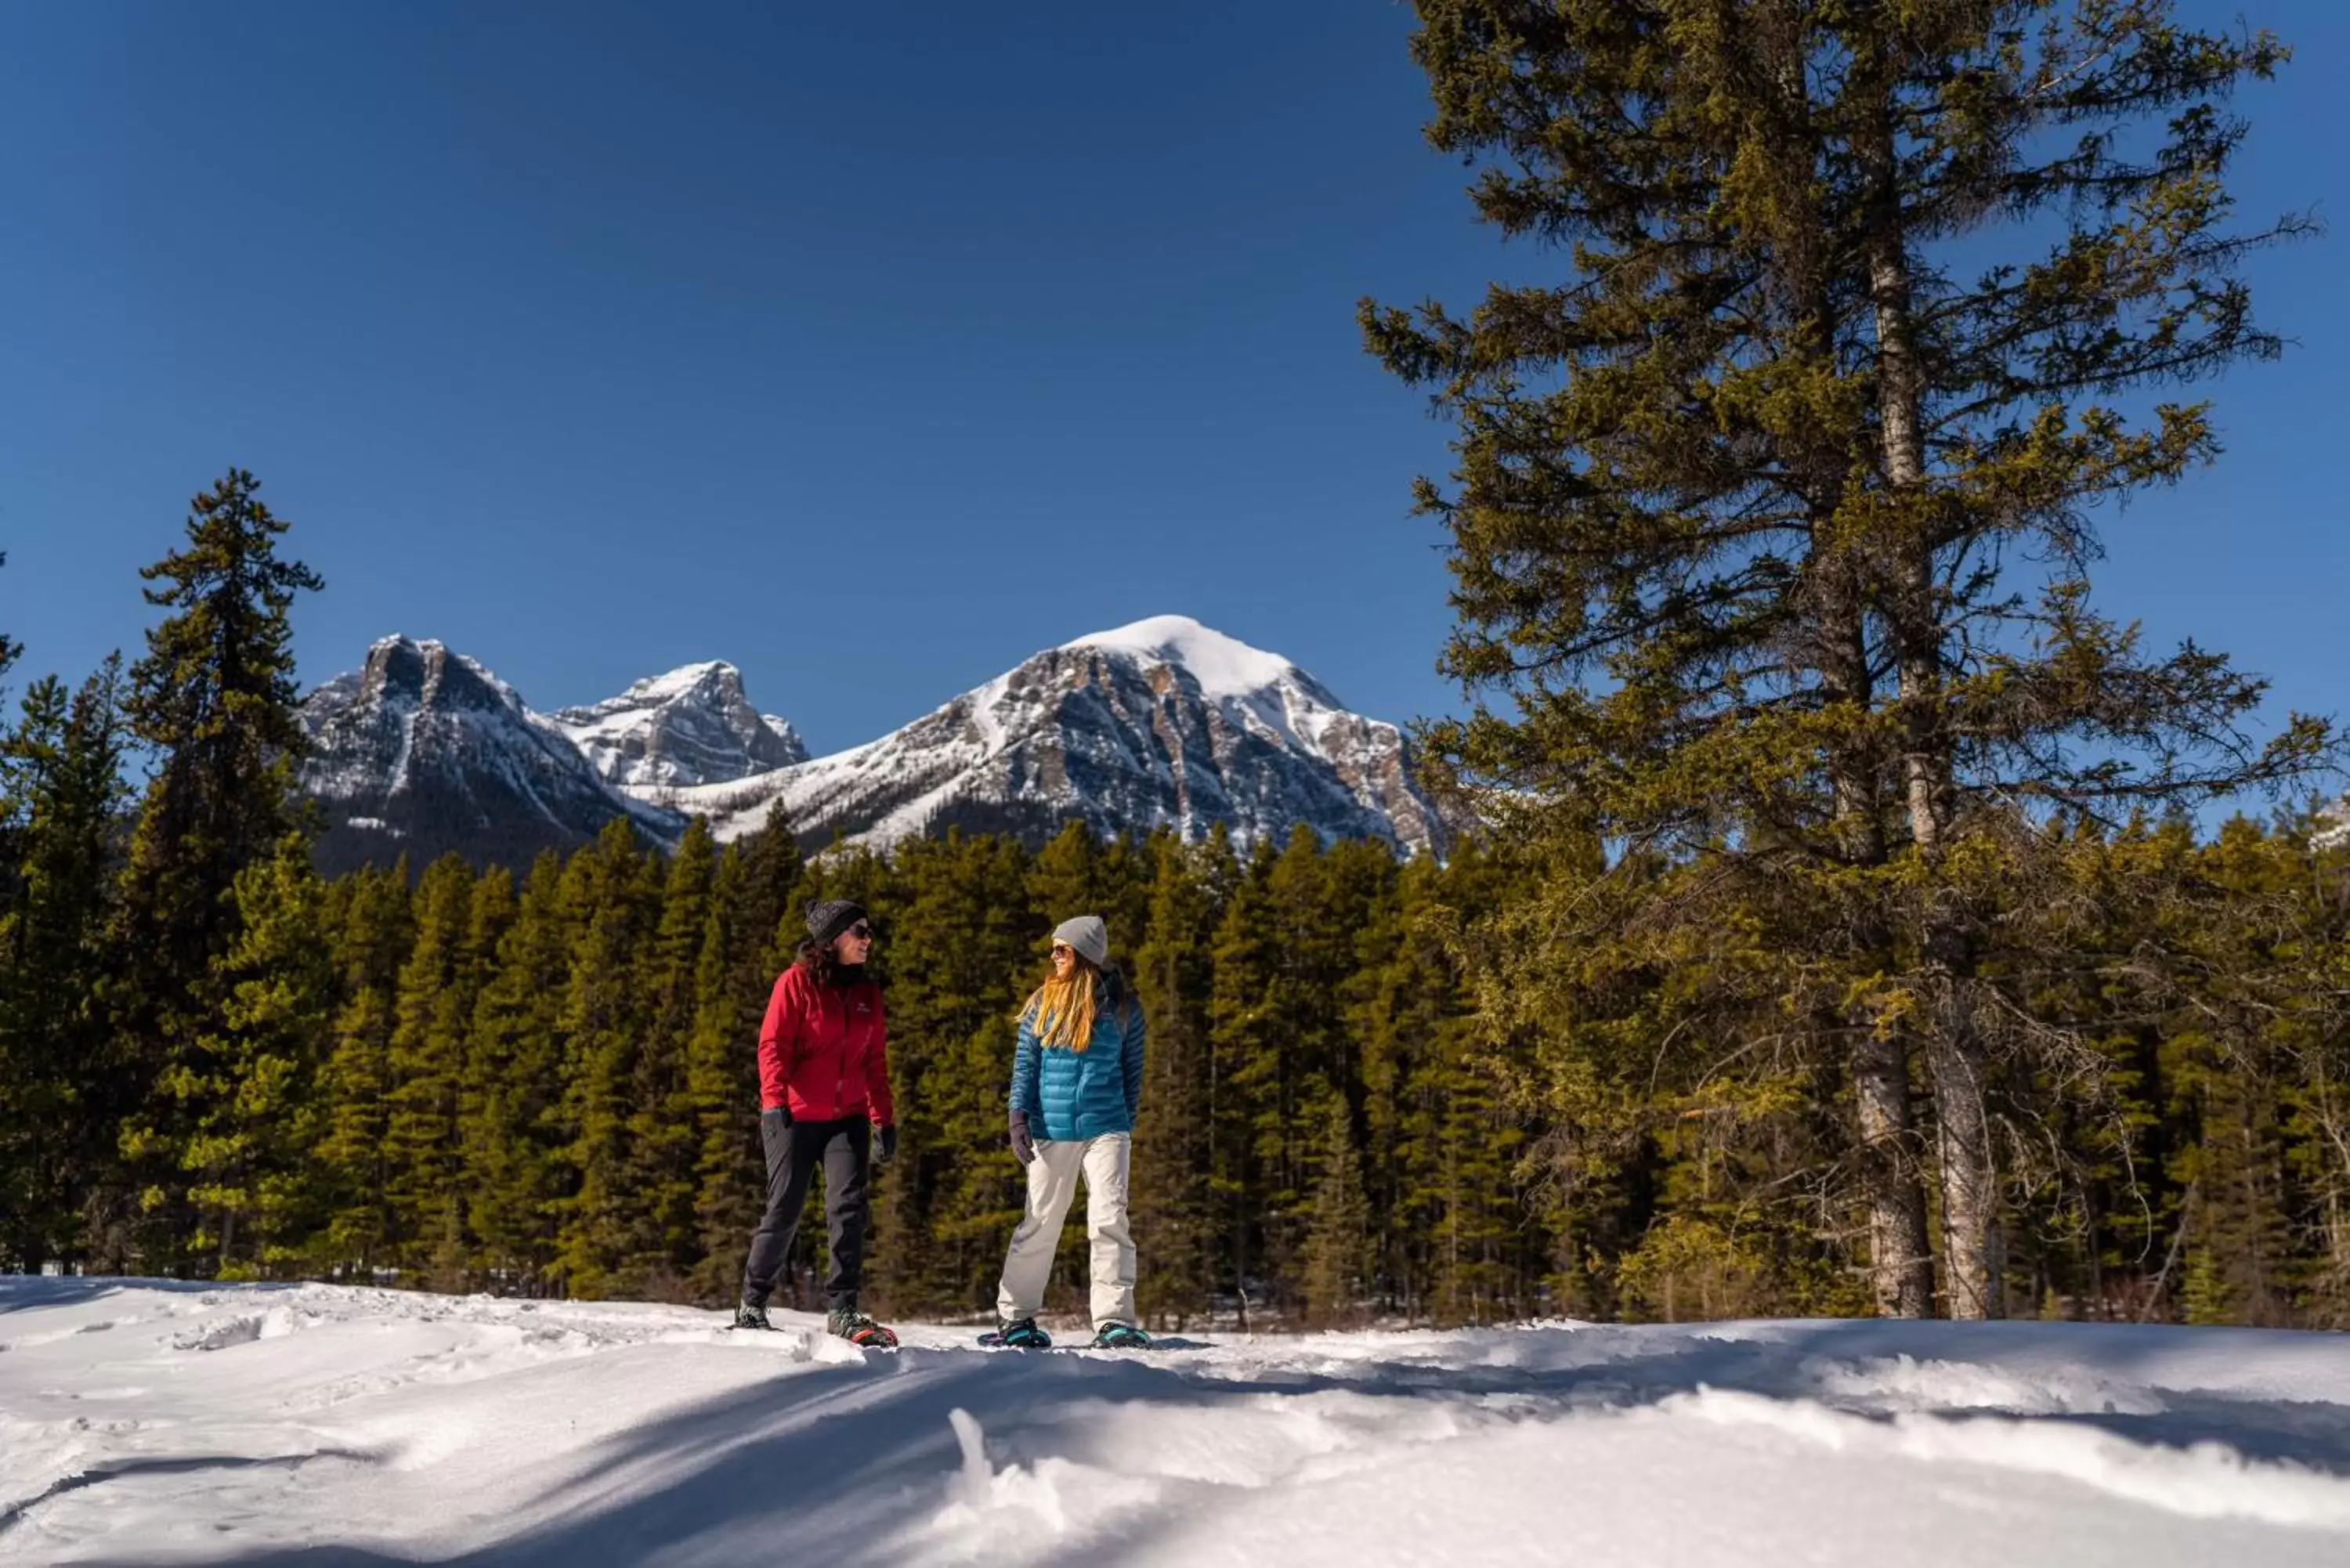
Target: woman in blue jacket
[1076, 1084]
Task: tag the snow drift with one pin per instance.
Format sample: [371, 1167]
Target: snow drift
[149, 1422]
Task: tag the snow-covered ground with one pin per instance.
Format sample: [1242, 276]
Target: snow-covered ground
[257, 1424]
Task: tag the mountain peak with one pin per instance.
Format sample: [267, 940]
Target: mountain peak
[1164, 722]
[685, 678]
[692, 725]
[424, 750]
[1222, 664]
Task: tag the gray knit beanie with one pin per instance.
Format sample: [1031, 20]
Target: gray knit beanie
[1088, 936]
[828, 918]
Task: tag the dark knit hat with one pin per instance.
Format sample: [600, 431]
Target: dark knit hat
[828, 918]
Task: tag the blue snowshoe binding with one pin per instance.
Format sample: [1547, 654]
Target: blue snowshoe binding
[1022, 1335]
[1121, 1336]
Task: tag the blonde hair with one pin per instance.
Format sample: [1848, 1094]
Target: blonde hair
[1063, 1009]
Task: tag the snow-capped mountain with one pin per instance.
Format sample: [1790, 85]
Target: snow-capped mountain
[1161, 723]
[423, 752]
[691, 726]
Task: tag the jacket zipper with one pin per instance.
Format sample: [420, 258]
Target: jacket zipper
[840, 1061]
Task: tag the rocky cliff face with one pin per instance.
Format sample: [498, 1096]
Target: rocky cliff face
[422, 751]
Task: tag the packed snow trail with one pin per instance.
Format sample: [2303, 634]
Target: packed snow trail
[145, 1423]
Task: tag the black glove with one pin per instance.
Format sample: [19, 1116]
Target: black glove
[1023, 1148]
[886, 1149]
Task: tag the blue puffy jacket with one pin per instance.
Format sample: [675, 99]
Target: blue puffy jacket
[1071, 1094]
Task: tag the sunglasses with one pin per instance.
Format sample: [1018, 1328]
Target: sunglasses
[860, 930]
[1060, 947]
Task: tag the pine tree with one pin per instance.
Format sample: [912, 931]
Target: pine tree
[425, 1068]
[2225, 1073]
[517, 1144]
[1064, 880]
[765, 916]
[214, 702]
[961, 943]
[610, 903]
[722, 1095]
[260, 1117]
[490, 915]
[60, 789]
[663, 1135]
[1338, 1243]
[1244, 1072]
[1173, 1214]
[1751, 502]
[1408, 1007]
[371, 944]
[2315, 1097]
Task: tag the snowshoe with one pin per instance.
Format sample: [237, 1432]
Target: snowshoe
[858, 1329]
[1022, 1335]
[751, 1315]
[1121, 1336]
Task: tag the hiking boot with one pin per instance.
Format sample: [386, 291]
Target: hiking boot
[1121, 1336]
[751, 1314]
[1023, 1335]
[858, 1329]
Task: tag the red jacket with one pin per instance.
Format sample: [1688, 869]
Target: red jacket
[824, 1053]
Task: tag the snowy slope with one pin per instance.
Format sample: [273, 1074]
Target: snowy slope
[423, 752]
[1165, 723]
[151, 1422]
[691, 726]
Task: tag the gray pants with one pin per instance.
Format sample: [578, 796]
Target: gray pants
[793, 1150]
[1053, 1177]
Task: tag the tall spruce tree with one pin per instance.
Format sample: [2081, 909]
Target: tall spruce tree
[371, 942]
[517, 1147]
[1243, 1077]
[260, 1117]
[482, 1083]
[664, 1141]
[1174, 1215]
[962, 945]
[212, 701]
[425, 1067]
[60, 791]
[1338, 1242]
[722, 1089]
[1775, 524]
[611, 902]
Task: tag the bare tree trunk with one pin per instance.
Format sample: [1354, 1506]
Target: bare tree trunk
[1901, 1268]
[1970, 1264]
[1954, 1054]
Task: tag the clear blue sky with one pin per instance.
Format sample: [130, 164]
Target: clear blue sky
[870, 348]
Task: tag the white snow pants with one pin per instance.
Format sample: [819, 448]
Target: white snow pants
[1051, 1184]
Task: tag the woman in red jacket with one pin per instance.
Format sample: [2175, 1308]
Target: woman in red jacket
[824, 1097]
